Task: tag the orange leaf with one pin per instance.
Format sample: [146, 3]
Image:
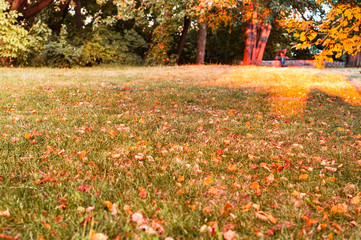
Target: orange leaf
[208, 180]
[339, 208]
[309, 221]
[108, 204]
[142, 192]
[231, 168]
[28, 136]
[303, 177]
[46, 225]
[255, 185]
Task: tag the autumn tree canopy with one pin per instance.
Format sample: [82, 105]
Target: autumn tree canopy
[336, 34]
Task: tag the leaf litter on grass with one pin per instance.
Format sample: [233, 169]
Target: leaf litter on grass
[177, 153]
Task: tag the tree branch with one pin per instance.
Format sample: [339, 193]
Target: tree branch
[34, 9]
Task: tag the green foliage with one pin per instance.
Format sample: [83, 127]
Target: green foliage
[13, 37]
[109, 46]
[39, 35]
[61, 53]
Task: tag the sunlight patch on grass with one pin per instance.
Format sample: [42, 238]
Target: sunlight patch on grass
[289, 88]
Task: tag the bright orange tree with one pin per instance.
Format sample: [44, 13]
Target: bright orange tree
[337, 34]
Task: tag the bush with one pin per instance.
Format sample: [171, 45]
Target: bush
[13, 38]
[108, 46]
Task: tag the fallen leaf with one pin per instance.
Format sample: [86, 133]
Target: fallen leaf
[232, 168]
[208, 180]
[309, 221]
[229, 235]
[5, 213]
[303, 177]
[339, 208]
[270, 179]
[355, 200]
[98, 236]
[142, 192]
[255, 185]
[139, 218]
[84, 188]
[265, 216]
[237, 185]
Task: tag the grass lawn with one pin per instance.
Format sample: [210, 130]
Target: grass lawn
[187, 152]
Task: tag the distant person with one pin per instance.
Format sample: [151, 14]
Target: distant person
[281, 55]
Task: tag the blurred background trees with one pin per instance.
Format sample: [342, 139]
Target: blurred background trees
[66, 33]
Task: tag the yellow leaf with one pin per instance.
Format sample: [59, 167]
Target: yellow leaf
[303, 37]
[27, 136]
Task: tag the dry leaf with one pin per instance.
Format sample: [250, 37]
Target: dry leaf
[139, 218]
[207, 180]
[303, 177]
[265, 217]
[5, 213]
[232, 168]
[98, 236]
[142, 192]
[355, 201]
[339, 208]
[255, 185]
[229, 235]
[270, 179]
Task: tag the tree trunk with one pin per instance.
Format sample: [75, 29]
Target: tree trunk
[34, 9]
[354, 60]
[263, 35]
[202, 40]
[256, 38]
[250, 41]
[78, 17]
[187, 23]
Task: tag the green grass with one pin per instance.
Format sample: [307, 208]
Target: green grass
[197, 146]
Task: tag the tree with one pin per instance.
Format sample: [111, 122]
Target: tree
[338, 33]
[256, 35]
[260, 15]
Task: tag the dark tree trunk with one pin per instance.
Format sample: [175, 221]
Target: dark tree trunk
[354, 60]
[78, 17]
[202, 40]
[36, 8]
[187, 23]
[263, 35]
